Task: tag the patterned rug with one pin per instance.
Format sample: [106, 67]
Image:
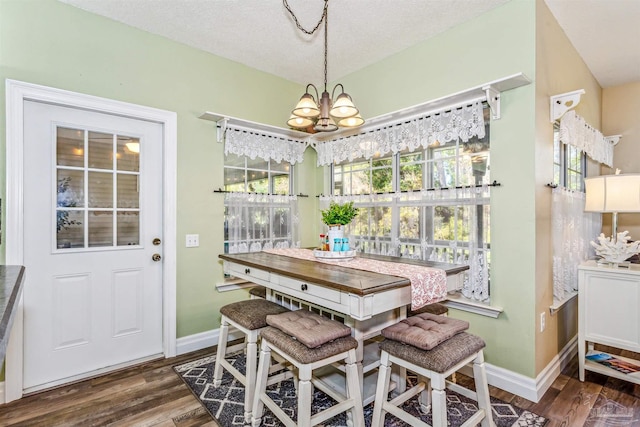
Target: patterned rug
[225, 403]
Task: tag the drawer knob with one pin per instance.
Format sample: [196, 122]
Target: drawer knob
[303, 287]
[247, 271]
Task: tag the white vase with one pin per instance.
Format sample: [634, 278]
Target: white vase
[335, 232]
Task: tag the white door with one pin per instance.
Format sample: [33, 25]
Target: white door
[92, 243]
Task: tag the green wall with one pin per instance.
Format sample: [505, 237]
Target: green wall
[495, 45]
[49, 43]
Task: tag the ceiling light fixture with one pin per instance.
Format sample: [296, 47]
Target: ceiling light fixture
[325, 114]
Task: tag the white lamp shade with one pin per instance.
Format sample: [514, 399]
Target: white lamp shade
[350, 122]
[613, 193]
[343, 107]
[306, 107]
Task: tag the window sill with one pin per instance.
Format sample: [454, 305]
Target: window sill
[557, 305]
[233, 284]
[464, 304]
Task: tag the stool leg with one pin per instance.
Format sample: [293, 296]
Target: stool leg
[482, 389]
[221, 351]
[382, 390]
[261, 384]
[353, 389]
[424, 398]
[305, 395]
[250, 373]
[439, 401]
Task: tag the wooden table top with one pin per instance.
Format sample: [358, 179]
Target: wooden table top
[334, 276]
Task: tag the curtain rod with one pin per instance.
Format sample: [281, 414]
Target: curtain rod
[493, 184]
[220, 190]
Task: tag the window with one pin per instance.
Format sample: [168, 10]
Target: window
[412, 204]
[259, 212]
[569, 164]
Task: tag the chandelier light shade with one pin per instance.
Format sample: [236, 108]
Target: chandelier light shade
[325, 114]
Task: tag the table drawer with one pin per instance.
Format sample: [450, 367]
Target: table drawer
[245, 272]
[311, 292]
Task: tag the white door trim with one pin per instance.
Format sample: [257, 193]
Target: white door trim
[16, 94]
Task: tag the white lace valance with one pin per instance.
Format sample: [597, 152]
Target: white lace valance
[460, 123]
[575, 131]
[244, 143]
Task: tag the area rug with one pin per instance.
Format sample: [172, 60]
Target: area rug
[225, 403]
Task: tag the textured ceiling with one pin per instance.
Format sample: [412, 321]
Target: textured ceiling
[262, 35]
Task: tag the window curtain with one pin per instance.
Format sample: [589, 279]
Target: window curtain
[469, 245]
[574, 130]
[572, 230]
[251, 144]
[462, 122]
[254, 222]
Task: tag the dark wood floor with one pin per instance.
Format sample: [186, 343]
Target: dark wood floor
[151, 394]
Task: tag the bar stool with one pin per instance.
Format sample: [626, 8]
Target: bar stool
[433, 351]
[308, 341]
[258, 292]
[249, 317]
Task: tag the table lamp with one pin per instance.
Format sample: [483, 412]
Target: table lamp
[619, 193]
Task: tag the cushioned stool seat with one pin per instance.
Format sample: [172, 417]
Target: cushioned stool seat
[249, 317]
[316, 342]
[442, 349]
[258, 292]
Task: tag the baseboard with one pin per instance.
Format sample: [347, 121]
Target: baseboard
[529, 388]
[203, 340]
[513, 382]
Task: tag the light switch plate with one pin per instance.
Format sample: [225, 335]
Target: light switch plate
[193, 240]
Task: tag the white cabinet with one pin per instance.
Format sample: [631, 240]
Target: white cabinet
[609, 314]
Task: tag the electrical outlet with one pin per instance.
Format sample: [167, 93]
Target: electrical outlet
[193, 240]
[543, 321]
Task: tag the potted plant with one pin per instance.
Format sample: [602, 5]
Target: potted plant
[336, 216]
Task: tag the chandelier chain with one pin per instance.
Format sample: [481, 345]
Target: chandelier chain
[300, 27]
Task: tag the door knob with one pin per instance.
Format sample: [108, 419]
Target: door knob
[156, 257]
[156, 241]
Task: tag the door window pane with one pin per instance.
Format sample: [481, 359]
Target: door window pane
[100, 190]
[70, 147]
[70, 229]
[100, 228]
[70, 188]
[100, 150]
[128, 154]
[128, 194]
[128, 228]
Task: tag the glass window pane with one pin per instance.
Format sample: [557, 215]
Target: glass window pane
[280, 223]
[128, 192]
[257, 163]
[410, 222]
[281, 184]
[234, 179]
[411, 176]
[443, 223]
[128, 228]
[100, 228]
[382, 180]
[70, 147]
[128, 154]
[258, 182]
[70, 229]
[70, 188]
[360, 182]
[100, 150]
[100, 190]
[233, 160]
[280, 167]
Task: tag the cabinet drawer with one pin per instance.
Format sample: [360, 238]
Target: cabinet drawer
[309, 291]
[245, 272]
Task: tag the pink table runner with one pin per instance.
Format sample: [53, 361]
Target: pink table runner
[428, 285]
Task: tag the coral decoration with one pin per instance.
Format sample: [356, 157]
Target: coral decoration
[618, 250]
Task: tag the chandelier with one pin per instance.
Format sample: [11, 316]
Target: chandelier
[324, 114]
